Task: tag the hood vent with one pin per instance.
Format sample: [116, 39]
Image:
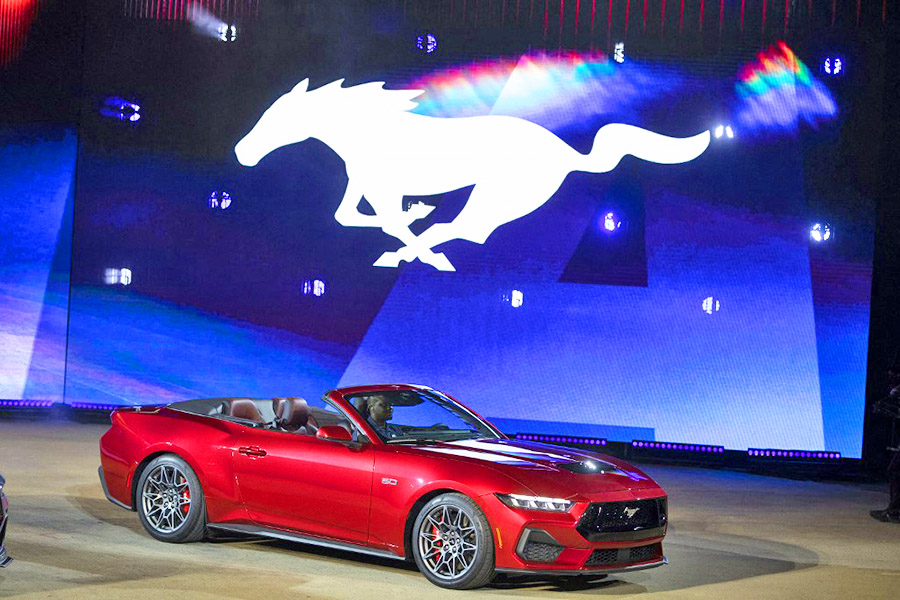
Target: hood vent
[587, 467]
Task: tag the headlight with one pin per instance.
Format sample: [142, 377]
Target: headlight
[536, 502]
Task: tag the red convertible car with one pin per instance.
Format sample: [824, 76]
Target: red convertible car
[397, 471]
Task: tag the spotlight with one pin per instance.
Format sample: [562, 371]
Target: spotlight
[833, 65]
[515, 299]
[227, 33]
[619, 52]
[820, 232]
[723, 130]
[117, 276]
[427, 42]
[219, 199]
[611, 222]
[313, 287]
[120, 109]
[710, 305]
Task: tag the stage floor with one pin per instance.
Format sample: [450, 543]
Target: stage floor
[731, 536]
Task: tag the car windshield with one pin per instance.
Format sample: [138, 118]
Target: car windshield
[399, 416]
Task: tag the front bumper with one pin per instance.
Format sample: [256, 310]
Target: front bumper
[530, 542]
[5, 559]
[583, 572]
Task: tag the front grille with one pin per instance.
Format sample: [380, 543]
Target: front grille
[539, 552]
[622, 517]
[623, 556]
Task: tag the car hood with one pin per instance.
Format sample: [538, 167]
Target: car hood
[545, 468]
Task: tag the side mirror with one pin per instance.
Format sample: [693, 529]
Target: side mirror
[334, 432]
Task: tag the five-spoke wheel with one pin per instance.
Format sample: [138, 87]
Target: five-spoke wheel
[170, 501]
[452, 543]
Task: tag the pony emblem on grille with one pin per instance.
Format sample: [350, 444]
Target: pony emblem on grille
[630, 512]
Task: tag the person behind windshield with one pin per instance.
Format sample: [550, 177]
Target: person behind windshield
[378, 410]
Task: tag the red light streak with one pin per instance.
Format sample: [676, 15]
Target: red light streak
[764, 16]
[787, 14]
[644, 25]
[609, 21]
[662, 18]
[562, 7]
[681, 18]
[721, 15]
[16, 17]
[742, 15]
[546, 16]
[700, 26]
[577, 12]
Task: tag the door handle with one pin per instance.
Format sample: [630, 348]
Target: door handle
[251, 451]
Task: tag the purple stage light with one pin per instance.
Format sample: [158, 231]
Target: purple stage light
[793, 455]
[678, 447]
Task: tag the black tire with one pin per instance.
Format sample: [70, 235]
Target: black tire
[162, 490]
[431, 549]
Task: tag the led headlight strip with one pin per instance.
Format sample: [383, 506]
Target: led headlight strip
[536, 502]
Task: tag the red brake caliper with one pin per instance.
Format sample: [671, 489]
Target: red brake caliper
[438, 541]
[186, 495]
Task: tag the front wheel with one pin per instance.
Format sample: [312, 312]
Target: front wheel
[170, 502]
[452, 543]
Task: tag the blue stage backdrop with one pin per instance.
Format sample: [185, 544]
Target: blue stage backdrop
[699, 290]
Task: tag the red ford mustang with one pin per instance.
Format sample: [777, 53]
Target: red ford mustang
[396, 471]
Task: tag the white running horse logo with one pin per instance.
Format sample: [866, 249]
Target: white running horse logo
[514, 164]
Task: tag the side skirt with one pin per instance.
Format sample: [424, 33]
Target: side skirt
[303, 539]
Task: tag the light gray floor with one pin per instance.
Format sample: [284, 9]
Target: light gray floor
[731, 536]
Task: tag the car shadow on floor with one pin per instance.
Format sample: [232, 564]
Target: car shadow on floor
[84, 499]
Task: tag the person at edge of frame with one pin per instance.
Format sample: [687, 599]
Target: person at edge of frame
[891, 406]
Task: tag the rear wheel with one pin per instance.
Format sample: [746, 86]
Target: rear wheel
[452, 543]
[170, 501]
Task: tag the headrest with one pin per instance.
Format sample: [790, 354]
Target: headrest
[245, 409]
[291, 413]
[361, 404]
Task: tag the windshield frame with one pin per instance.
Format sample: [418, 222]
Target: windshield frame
[431, 395]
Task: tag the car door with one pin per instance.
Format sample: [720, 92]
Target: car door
[304, 483]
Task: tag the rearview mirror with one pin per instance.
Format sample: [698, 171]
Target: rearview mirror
[334, 432]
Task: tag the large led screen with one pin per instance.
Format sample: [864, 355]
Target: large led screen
[629, 245]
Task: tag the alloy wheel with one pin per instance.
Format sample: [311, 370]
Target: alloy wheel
[448, 542]
[166, 498]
